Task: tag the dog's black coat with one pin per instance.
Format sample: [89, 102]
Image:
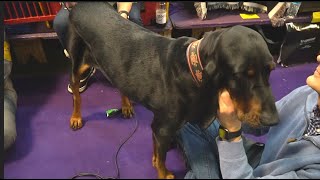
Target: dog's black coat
[153, 70]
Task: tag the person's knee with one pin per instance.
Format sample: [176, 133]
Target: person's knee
[135, 15]
[61, 20]
[60, 25]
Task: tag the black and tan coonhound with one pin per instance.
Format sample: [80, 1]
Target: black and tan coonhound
[178, 79]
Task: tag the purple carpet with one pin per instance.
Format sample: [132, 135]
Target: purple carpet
[47, 148]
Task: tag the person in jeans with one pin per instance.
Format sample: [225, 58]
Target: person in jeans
[128, 10]
[292, 149]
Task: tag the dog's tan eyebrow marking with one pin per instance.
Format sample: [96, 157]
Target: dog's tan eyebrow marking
[251, 71]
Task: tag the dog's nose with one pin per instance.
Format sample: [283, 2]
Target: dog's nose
[269, 119]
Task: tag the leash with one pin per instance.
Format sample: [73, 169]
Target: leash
[194, 61]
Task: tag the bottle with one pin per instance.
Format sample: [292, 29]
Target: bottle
[161, 14]
[293, 9]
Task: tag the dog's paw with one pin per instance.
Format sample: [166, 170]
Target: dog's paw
[154, 161]
[127, 111]
[170, 175]
[76, 123]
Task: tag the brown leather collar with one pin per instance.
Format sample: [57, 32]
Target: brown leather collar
[194, 61]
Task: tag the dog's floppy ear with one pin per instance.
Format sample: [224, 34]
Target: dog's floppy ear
[208, 51]
[210, 68]
[206, 34]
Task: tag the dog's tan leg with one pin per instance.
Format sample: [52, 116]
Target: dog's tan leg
[76, 119]
[127, 107]
[155, 153]
[160, 155]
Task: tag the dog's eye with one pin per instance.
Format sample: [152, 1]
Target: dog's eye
[237, 76]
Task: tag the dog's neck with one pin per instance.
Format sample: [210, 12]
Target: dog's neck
[194, 62]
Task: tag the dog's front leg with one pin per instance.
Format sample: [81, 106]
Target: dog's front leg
[160, 155]
[162, 135]
[76, 121]
[76, 118]
[155, 153]
[127, 108]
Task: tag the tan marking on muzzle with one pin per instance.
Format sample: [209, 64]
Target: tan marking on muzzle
[249, 112]
[251, 72]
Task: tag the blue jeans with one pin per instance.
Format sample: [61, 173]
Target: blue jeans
[60, 22]
[60, 25]
[201, 154]
[200, 151]
[135, 15]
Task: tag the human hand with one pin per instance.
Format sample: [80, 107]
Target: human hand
[124, 7]
[227, 113]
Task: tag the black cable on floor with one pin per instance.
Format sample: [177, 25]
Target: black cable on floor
[116, 161]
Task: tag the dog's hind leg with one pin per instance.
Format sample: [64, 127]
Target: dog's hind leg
[162, 137]
[127, 107]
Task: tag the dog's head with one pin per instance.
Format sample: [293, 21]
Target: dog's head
[238, 59]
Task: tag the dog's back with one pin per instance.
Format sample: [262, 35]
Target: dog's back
[99, 25]
[134, 59]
